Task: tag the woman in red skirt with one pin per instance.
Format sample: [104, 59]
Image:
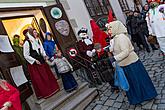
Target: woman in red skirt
[43, 81]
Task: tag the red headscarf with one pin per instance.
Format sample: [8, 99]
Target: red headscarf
[98, 35]
[149, 1]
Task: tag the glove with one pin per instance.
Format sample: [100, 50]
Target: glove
[93, 51]
[89, 53]
[112, 59]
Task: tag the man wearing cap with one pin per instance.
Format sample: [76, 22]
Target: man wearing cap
[156, 22]
[85, 44]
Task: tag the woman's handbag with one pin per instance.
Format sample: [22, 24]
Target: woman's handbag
[120, 79]
[152, 39]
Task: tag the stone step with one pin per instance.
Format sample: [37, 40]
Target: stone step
[81, 101]
[57, 95]
[61, 98]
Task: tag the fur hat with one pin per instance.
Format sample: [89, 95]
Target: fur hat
[82, 30]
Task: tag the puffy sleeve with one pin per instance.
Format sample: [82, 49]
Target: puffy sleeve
[42, 49]
[124, 48]
[26, 53]
[67, 62]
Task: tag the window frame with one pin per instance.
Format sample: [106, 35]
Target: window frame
[124, 5]
[91, 7]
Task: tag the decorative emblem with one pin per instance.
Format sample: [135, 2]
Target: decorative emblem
[72, 52]
[56, 13]
[62, 27]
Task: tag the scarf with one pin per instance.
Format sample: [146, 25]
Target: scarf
[117, 28]
[36, 43]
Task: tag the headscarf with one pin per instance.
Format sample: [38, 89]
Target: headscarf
[117, 28]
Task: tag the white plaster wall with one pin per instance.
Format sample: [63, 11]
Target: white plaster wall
[117, 10]
[143, 2]
[131, 4]
[78, 11]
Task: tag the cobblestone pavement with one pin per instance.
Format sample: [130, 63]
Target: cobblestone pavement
[155, 65]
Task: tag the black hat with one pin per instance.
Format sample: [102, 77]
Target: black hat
[25, 32]
[82, 30]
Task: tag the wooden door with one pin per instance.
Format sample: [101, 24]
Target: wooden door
[9, 60]
[62, 30]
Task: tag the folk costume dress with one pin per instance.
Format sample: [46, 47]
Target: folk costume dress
[156, 24]
[86, 50]
[141, 86]
[12, 95]
[43, 80]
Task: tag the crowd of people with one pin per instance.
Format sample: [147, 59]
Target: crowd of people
[137, 28]
[115, 46]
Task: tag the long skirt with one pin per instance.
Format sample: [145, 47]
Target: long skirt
[43, 80]
[141, 86]
[69, 81]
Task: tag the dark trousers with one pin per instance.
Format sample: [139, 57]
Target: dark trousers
[140, 39]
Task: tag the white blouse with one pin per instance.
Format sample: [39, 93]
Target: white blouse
[35, 46]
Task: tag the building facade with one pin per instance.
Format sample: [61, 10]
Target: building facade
[63, 20]
[77, 10]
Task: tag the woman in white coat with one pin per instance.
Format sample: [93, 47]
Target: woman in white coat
[141, 86]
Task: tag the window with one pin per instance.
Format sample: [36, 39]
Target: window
[124, 5]
[97, 7]
[98, 10]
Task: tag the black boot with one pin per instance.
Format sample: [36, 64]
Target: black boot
[148, 50]
[153, 47]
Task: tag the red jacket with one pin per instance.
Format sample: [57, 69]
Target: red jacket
[12, 95]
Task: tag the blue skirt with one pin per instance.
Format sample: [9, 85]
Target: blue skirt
[141, 86]
[69, 81]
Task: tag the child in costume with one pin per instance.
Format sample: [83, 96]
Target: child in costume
[104, 66]
[64, 69]
[50, 48]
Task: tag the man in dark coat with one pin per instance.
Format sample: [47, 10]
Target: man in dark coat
[131, 28]
[137, 34]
